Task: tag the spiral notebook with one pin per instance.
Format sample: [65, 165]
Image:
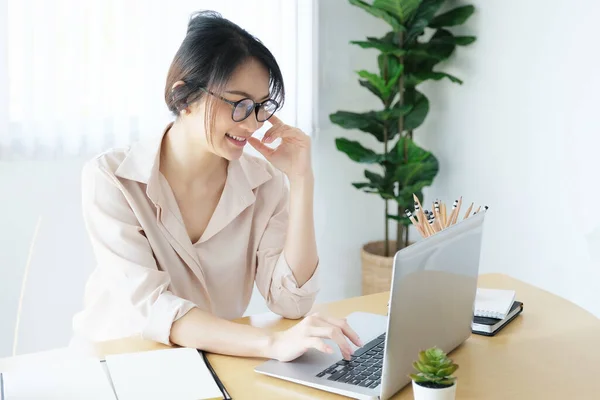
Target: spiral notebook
[493, 303]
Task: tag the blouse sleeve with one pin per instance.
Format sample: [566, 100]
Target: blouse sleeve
[126, 292]
[274, 277]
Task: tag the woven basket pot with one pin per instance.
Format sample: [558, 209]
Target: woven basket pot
[376, 268]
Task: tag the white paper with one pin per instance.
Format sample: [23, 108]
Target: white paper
[178, 374]
[494, 303]
[67, 380]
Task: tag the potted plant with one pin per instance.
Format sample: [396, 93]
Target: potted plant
[407, 55]
[434, 380]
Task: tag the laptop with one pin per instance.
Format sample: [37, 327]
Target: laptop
[434, 283]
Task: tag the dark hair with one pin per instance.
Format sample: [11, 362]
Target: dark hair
[211, 50]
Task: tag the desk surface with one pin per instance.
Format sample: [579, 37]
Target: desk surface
[550, 352]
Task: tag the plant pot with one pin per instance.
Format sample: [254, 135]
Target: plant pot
[376, 268]
[425, 393]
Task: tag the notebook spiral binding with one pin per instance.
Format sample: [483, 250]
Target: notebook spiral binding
[488, 314]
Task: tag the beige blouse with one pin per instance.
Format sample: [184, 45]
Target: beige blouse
[149, 273]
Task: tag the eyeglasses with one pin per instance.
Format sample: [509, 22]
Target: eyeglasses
[243, 108]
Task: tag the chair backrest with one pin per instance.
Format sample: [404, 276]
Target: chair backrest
[60, 260]
[24, 285]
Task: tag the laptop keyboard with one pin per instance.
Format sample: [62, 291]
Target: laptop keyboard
[363, 370]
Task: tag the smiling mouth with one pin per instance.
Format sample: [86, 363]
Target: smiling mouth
[240, 141]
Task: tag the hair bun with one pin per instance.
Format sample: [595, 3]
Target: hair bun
[197, 18]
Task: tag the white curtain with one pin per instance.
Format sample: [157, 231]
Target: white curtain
[79, 76]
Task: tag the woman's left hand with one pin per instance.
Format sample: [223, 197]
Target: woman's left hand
[292, 156]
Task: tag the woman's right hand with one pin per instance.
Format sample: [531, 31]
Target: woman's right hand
[309, 333]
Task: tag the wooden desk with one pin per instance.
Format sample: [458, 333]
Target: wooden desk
[549, 352]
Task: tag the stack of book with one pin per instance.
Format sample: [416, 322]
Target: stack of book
[494, 309]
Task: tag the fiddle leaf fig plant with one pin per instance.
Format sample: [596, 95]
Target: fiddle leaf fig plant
[407, 56]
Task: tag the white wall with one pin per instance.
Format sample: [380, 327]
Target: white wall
[519, 135]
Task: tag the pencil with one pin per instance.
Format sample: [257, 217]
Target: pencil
[443, 214]
[457, 211]
[478, 208]
[468, 211]
[414, 221]
[430, 223]
[421, 214]
[437, 215]
[451, 218]
[428, 219]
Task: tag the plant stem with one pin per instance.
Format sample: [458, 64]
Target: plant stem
[409, 135]
[386, 242]
[399, 229]
[400, 130]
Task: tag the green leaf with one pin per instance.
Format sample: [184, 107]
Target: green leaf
[378, 184]
[419, 77]
[394, 113]
[401, 9]
[419, 378]
[442, 373]
[440, 47]
[426, 369]
[374, 79]
[362, 185]
[464, 40]
[372, 89]
[435, 353]
[416, 167]
[420, 108]
[356, 152]
[394, 80]
[386, 48]
[379, 13]
[453, 17]
[422, 17]
[391, 67]
[366, 122]
[374, 177]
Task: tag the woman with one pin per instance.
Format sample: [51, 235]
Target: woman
[184, 225]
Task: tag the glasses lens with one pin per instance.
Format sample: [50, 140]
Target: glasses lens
[267, 109]
[242, 110]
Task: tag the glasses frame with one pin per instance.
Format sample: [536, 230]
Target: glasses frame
[256, 107]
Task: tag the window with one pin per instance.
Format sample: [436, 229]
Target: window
[78, 76]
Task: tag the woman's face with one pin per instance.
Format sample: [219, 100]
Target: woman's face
[228, 137]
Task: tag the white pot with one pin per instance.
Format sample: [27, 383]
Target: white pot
[425, 393]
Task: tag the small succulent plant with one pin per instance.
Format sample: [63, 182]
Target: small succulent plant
[434, 368]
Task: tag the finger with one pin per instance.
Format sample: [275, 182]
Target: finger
[283, 133]
[275, 121]
[318, 344]
[262, 148]
[334, 333]
[271, 131]
[346, 329]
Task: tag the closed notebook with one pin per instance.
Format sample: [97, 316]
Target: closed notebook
[178, 373]
[58, 380]
[490, 326]
[493, 303]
